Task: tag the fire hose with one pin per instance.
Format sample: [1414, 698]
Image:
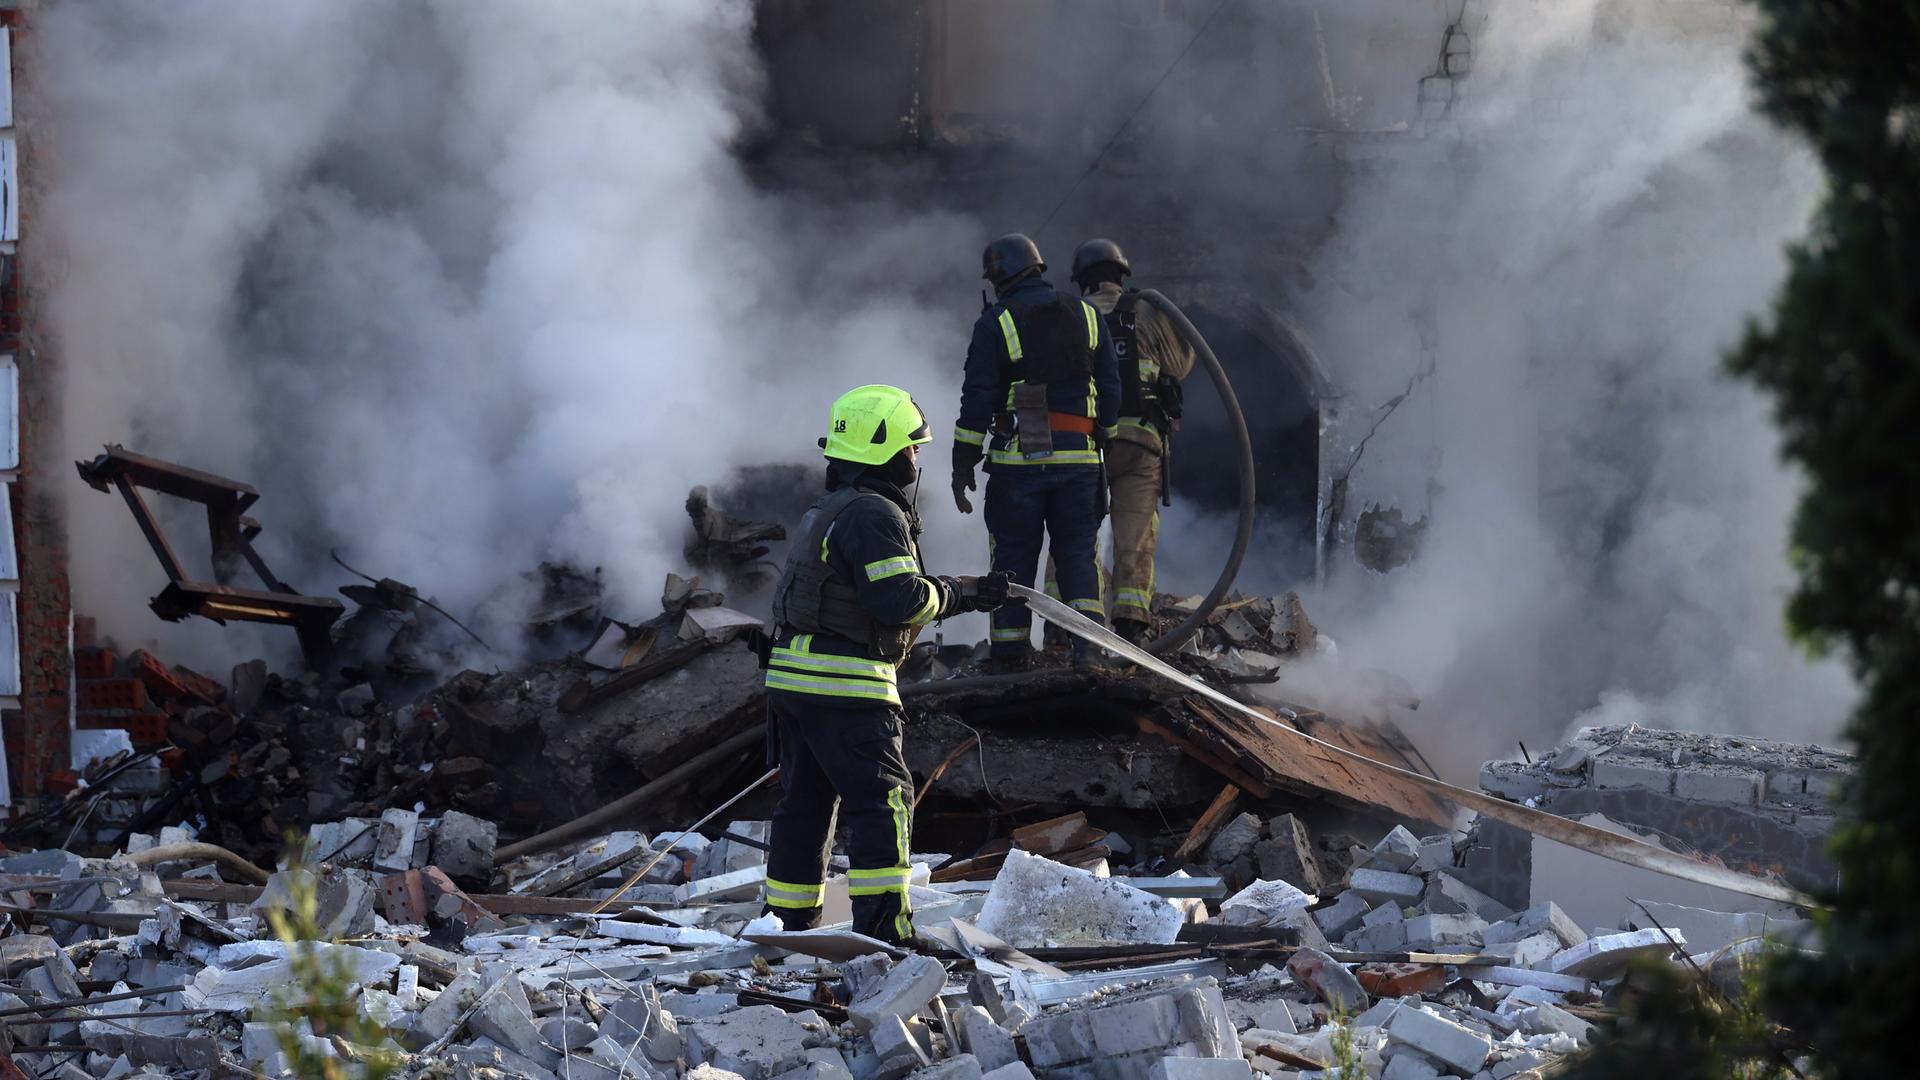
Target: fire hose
[1575, 834]
[1243, 533]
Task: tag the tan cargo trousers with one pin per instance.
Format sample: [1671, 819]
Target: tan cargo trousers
[1133, 494]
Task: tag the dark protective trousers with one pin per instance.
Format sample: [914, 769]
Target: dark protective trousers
[1059, 505]
[833, 752]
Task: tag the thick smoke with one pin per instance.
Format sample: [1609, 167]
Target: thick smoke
[460, 286]
[1557, 277]
[464, 285]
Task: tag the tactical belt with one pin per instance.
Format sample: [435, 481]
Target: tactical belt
[1057, 421]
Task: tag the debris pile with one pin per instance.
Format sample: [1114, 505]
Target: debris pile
[564, 964]
[1757, 805]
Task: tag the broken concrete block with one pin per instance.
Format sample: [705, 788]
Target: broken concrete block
[1535, 950]
[1542, 917]
[1388, 935]
[243, 989]
[683, 937]
[343, 899]
[393, 845]
[1435, 932]
[1461, 1049]
[819, 1070]
[1525, 977]
[740, 884]
[1235, 840]
[640, 1019]
[1410, 1065]
[906, 989]
[895, 1046]
[1328, 978]
[23, 951]
[260, 1045]
[1386, 886]
[1397, 851]
[1037, 902]
[1264, 903]
[1448, 895]
[1016, 1070]
[987, 1041]
[568, 1034]
[1343, 916]
[758, 1042]
[958, 1067]
[1607, 956]
[1123, 1037]
[1546, 1019]
[1435, 852]
[463, 847]
[1630, 773]
[506, 1016]
[1287, 855]
[1276, 1015]
[1188, 1068]
[1719, 784]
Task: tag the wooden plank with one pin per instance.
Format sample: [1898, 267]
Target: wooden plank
[1218, 813]
[1302, 767]
[1068, 832]
[1209, 756]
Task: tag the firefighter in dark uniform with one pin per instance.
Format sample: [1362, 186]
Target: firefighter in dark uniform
[1039, 398]
[1154, 358]
[846, 611]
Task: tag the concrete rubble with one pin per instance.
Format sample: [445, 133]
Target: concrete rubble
[1428, 977]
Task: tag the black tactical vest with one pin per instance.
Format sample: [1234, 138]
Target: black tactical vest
[1053, 340]
[812, 599]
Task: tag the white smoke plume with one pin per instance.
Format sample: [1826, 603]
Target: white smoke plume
[463, 285]
[460, 286]
[1558, 279]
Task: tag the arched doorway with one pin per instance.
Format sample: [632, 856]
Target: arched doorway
[1282, 389]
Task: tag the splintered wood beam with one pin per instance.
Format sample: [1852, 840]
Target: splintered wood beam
[1218, 813]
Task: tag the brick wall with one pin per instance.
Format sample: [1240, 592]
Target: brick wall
[37, 732]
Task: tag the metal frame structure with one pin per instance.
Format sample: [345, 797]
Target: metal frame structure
[231, 533]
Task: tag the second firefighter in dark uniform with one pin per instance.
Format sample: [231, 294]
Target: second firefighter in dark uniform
[847, 609]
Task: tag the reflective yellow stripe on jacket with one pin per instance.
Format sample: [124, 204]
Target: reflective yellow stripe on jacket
[1010, 454]
[796, 668]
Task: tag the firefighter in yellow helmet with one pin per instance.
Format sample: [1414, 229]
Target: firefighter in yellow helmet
[846, 611]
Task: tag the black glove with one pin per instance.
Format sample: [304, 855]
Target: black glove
[965, 457]
[991, 592]
[986, 593]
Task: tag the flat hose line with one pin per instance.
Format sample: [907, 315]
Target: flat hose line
[1243, 532]
[1574, 834]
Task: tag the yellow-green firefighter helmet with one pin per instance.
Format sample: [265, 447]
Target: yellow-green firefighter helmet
[872, 423]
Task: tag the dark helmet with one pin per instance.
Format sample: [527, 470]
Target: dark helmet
[1009, 259]
[1092, 254]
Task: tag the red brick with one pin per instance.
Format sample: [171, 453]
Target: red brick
[1399, 980]
[144, 728]
[97, 694]
[182, 685]
[93, 663]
